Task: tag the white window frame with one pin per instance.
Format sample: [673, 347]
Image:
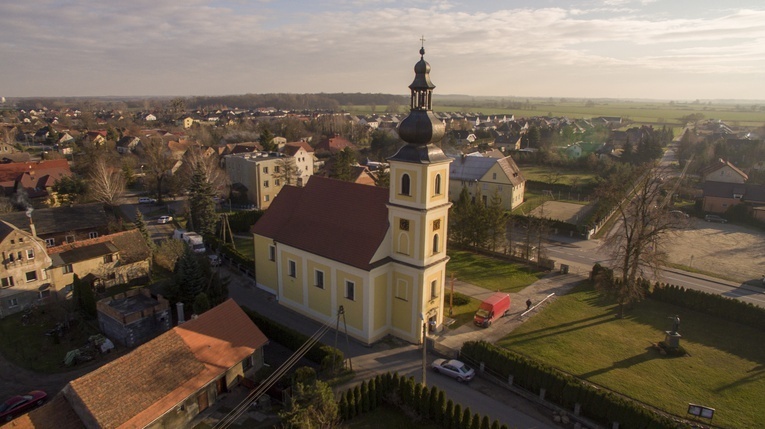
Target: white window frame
[26, 276]
[13, 302]
[93, 234]
[7, 282]
[50, 242]
[30, 254]
[318, 279]
[291, 268]
[67, 269]
[271, 253]
[350, 290]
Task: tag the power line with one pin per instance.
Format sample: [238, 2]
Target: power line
[240, 409]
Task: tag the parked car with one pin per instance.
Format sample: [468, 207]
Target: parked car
[146, 200]
[454, 369]
[164, 219]
[679, 213]
[715, 218]
[20, 404]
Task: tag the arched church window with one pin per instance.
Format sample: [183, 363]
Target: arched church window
[405, 184]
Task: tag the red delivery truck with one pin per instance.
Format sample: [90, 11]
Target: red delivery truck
[491, 309]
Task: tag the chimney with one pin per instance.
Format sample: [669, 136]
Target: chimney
[179, 306]
[31, 224]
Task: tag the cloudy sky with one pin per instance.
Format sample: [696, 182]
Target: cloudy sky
[660, 49]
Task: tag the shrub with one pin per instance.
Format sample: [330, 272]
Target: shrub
[459, 299]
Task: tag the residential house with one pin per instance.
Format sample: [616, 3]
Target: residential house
[720, 196]
[58, 225]
[127, 144]
[485, 176]
[723, 171]
[35, 178]
[164, 383]
[23, 276]
[96, 137]
[304, 158]
[580, 149]
[101, 262]
[133, 317]
[262, 173]
[378, 254]
[333, 144]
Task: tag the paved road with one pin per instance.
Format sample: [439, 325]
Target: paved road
[393, 355]
[581, 255]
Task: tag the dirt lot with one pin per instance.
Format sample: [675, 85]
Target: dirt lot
[732, 251]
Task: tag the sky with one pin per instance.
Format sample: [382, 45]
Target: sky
[647, 49]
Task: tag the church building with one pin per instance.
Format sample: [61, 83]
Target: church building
[378, 253]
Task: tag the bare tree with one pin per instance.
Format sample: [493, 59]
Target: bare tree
[286, 171]
[106, 183]
[199, 158]
[638, 240]
[158, 162]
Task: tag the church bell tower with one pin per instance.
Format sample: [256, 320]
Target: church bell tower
[418, 210]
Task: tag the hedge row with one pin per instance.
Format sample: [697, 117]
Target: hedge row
[242, 221]
[712, 304]
[326, 356]
[565, 390]
[429, 404]
[228, 250]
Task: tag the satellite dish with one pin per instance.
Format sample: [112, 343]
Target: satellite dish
[29, 212]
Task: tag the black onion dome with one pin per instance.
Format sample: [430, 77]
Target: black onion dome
[421, 127]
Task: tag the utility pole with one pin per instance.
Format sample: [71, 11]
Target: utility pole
[451, 297]
[424, 349]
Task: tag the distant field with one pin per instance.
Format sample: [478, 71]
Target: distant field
[541, 173]
[655, 113]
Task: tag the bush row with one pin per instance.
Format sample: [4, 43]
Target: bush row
[326, 356]
[414, 399]
[230, 252]
[563, 389]
[712, 304]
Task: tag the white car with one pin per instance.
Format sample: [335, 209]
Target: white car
[454, 369]
[164, 219]
[146, 200]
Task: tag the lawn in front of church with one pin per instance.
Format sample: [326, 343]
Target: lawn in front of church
[490, 273]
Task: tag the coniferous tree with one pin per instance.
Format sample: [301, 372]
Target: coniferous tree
[466, 419]
[201, 303]
[84, 297]
[189, 277]
[495, 220]
[423, 403]
[485, 423]
[495, 425]
[457, 417]
[343, 165]
[201, 204]
[447, 418]
[140, 225]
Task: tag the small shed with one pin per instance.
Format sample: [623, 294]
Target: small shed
[134, 317]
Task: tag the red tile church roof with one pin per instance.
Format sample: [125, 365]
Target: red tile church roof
[342, 221]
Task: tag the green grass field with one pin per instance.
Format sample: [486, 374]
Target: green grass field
[490, 273]
[556, 175]
[725, 369]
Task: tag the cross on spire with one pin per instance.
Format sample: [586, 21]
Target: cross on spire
[422, 47]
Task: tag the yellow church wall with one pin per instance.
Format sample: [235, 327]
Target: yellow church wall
[292, 286]
[265, 269]
[442, 198]
[380, 303]
[319, 299]
[403, 302]
[354, 308]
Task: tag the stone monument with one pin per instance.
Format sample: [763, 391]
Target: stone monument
[672, 339]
